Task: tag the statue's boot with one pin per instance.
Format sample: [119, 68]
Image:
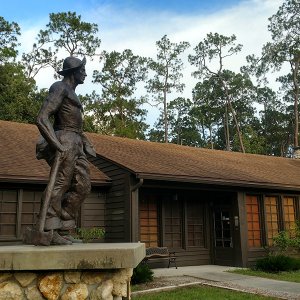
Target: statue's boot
[59, 240]
[67, 235]
[71, 239]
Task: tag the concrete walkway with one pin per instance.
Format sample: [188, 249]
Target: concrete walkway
[217, 276]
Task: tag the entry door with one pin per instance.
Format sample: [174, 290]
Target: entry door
[223, 240]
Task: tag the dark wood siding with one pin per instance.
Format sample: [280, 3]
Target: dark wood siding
[190, 257]
[117, 206]
[193, 257]
[8, 214]
[254, 255]
[30, 207]
[18, 209]
[93, 211]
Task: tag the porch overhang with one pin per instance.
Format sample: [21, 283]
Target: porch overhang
[218, 181]
[44, 180]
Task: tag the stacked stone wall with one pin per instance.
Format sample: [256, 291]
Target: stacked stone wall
[66, 285]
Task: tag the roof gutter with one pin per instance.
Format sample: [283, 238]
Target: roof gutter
[211, 181]
[41, 181]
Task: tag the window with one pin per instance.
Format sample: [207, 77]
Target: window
[181, 219]
[253, 221]
[30, 208]
[173, 223]
[271, 210]
[289, 214]
[18, 210]
[195, 220]
[277, 213]
[8, 213]
[148, 221]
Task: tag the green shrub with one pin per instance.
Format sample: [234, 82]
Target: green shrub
[277, 263]
[142, 274]
[89, 234]
[282, 241]
[288, 239]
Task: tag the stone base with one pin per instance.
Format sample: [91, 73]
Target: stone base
[83, 271]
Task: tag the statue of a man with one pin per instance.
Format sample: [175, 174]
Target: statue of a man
[60, 124]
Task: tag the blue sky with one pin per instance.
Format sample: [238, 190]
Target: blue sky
[138, 24]
[31, 10]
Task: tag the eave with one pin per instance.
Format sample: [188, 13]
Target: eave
[219, 182]
[43, 180]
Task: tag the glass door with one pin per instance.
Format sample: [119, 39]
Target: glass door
[223, 236]
[223, 242]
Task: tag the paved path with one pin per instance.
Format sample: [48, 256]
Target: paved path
[217, 276]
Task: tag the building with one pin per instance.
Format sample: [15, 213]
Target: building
[211, 207]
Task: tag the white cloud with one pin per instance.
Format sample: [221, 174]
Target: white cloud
[139, 30]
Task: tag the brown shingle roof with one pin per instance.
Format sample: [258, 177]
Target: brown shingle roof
[150, 160]
[17, 156]
[181, 163]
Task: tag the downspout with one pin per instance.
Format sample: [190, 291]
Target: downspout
[138, 185]
[134, 211]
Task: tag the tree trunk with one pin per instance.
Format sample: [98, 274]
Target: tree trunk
[165, 116]
[203, 132]
[237, 127]
[234, 118]
[296, 100]
[226, 129]
[265, 128]
[210, 137]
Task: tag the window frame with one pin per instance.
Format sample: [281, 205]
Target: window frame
[17, 213]
[280, 213]
[260, 220]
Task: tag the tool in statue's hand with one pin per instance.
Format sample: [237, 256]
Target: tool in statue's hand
[37, 236]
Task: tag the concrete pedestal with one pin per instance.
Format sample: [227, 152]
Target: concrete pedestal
[79, 271]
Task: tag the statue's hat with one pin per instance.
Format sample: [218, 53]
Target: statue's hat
[71, 64]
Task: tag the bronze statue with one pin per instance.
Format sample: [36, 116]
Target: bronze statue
[64, 146]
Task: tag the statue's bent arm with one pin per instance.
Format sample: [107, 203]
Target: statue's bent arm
[49, 107]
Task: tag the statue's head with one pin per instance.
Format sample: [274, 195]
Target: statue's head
[71, 64]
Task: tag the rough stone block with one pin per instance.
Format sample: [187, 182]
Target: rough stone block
[33, 293]
[5, 276]
[25, 278]
[72, 277]
[50, 285]
[103, 292]
[77, 291]
[92, 277]
[121, 279]
[10, 291]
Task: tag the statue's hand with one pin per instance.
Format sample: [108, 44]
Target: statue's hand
[63, 151]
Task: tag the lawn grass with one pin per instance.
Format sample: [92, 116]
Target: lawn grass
[199, 292]
[293, 276]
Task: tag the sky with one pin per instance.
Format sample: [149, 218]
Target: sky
[137, 25]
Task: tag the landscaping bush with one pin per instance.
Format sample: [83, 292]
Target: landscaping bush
[288, 239]
[282, 241]
[142, 274]
[277, 263]
[89, 234]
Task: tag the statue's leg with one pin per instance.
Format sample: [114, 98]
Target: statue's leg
[62, 185]
[80, 187]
